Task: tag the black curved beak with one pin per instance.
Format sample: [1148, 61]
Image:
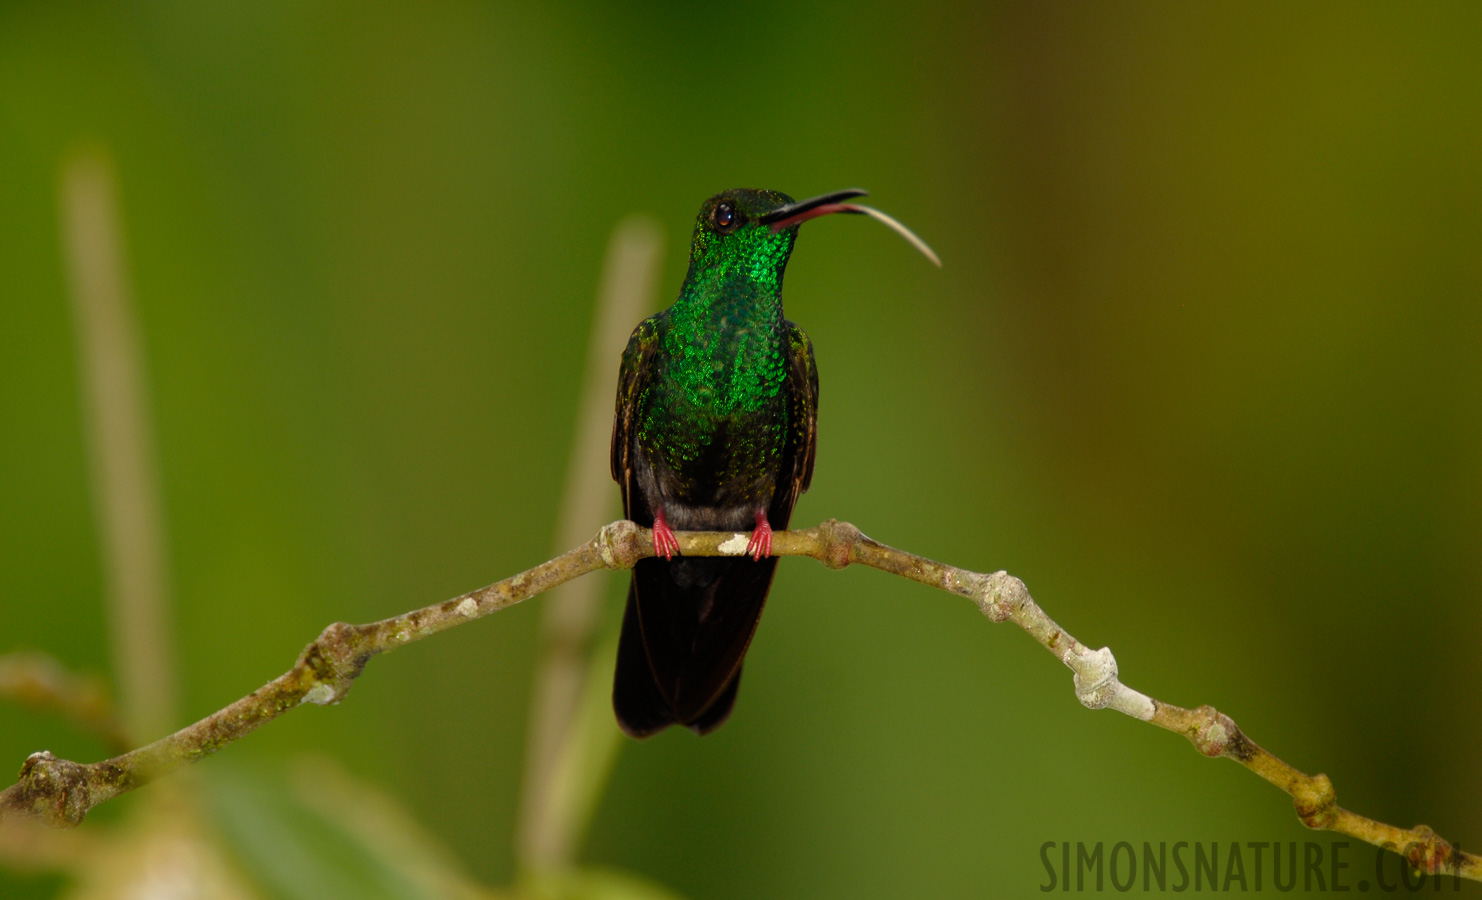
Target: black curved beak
[813, 207]
[827, 204]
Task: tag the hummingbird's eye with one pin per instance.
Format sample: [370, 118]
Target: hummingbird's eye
[725, 216]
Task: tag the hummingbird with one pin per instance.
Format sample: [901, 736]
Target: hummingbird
[715, 430]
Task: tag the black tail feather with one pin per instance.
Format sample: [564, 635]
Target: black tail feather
[719, 711]
[641, 709]
[685, 631]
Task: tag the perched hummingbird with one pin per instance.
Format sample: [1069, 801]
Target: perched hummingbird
[715, 430]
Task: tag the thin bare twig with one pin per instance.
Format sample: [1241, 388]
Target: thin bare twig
[60, 792]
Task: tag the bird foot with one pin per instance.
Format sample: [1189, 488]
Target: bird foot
[665, 543]
[761, 539]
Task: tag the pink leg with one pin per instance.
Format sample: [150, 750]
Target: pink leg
[665, 543]
[761, 539]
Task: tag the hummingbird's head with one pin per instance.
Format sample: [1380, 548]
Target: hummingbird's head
[749, 233]
[732, 242]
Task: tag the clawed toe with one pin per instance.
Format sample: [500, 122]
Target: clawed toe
[760, 544]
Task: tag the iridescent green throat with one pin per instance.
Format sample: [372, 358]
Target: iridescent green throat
[724, 346]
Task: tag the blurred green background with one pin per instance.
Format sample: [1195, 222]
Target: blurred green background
[1202, 367]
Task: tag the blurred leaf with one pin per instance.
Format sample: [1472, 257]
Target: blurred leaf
[313, 833]
[162, 849]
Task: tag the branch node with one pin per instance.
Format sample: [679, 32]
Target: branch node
[618, 546]
[1316, 802]
[1002, 596]
[839, 539]
[1096, 678]
[1432, 854]
[333, 660]
[1216, 734]
[54, 791]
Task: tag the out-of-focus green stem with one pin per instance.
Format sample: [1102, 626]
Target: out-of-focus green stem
[120, 445]
[551, 823]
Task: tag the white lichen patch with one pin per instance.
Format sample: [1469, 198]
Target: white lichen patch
[468, 608]
[1216, 733]
[735, 546]
[1133, 703]
[321, 694]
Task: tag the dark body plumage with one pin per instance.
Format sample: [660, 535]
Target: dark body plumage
[716, 422]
